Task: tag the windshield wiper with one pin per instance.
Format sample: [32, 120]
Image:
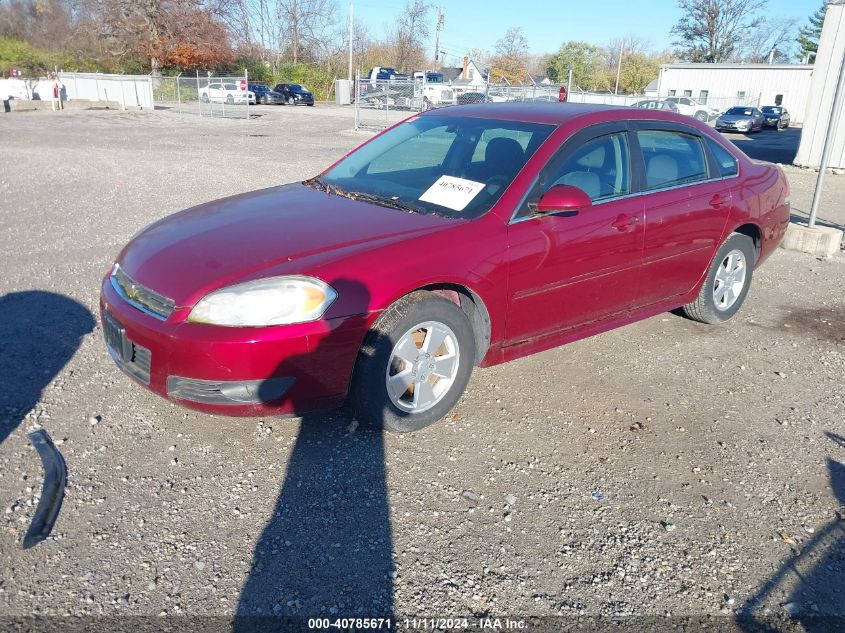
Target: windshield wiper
[317, 183]
[385, 202]
[320, 184]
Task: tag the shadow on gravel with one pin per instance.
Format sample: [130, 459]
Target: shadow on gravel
[327, 549]
[816, 570]
[39, 333]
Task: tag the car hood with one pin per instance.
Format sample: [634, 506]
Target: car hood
[283, 230]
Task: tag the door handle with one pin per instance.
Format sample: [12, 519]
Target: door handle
[625, 222]
[718, 200]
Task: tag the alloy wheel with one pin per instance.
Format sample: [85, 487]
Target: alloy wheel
[729, 280]
[423, 366]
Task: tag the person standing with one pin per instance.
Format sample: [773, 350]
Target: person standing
[56, 89]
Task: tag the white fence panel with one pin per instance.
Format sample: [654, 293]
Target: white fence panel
[130, 91]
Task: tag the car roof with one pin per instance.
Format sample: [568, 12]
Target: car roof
[559, 113]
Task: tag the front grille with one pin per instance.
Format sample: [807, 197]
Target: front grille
[131, 357]
[141, 297]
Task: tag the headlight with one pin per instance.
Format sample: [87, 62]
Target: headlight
[271, 301]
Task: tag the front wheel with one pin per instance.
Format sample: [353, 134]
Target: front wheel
[727, 282]
[291, 101]
[701, 116]
[414, 365]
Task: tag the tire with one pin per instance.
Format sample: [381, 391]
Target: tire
[291, 101]
[230, 99]
[706, 308]
[264, 100]
[204, 98]
[311, 104]
[409, 322]
[701, 116]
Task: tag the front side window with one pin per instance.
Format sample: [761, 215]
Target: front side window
[599, 167]
[671, 158]
[444, 165]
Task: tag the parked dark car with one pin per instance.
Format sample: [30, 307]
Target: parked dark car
[381, 283]
[776, 117]
[295, 94]
[264, 95]
[471, 97]
[740, 119]
[656, 104]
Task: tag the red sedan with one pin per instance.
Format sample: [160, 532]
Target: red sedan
[464, 236]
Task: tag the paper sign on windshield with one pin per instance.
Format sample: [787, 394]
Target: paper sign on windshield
[452, 193]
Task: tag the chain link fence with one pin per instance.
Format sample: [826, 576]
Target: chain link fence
[380, 104]
[206, 94]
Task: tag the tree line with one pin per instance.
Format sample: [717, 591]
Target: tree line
[307, 40]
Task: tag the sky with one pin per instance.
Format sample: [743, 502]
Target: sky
[548, 23]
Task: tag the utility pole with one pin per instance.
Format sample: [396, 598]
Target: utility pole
[830, 135]
[440, 20]
[349, 76]
[619, 67]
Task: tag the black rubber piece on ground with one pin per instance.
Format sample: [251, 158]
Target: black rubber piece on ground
[52, 490]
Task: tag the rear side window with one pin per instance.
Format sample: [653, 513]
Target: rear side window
[600, 167]
[671, 158]
[727, 163]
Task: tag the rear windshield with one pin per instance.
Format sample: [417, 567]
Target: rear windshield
[444, 165]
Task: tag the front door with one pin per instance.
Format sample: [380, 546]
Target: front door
[570, 270]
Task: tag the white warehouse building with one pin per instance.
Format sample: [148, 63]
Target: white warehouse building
[725, 85]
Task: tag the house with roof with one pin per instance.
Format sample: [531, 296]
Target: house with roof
[467, 78]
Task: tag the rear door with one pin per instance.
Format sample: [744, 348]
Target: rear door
[687, 202]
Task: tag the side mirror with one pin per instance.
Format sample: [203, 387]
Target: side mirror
[564, 198]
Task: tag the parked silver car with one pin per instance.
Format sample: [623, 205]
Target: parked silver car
[740, 119]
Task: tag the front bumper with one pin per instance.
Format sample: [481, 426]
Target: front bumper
[234, 371]
[731, 127]
[771, 122]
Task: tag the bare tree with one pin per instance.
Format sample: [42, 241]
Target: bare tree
[772, 40]
[511, 61]
[304, 22]
[412, 28]
[714, 30]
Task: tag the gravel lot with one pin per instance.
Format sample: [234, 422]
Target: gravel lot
[664, 469]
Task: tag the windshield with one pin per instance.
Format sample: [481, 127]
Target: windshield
[297, 88]
[740, 111]
[771, 110]
[450, 166]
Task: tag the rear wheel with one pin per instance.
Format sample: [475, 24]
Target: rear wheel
[701, 116]
[727, 283]
[414, 365]
[263, 99]
[291, 101]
